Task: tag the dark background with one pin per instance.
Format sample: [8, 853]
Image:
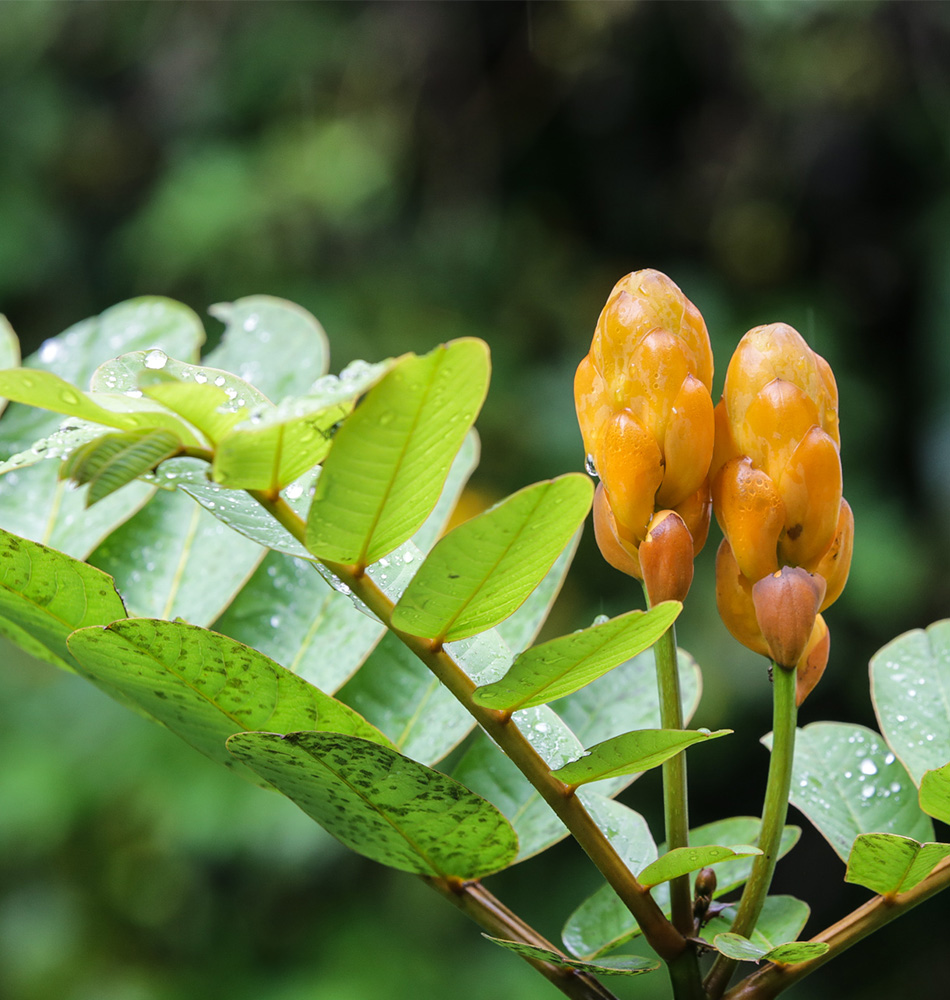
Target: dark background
[412, 172]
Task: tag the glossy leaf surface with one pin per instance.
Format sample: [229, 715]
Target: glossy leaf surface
[743, 950]
[383, 805]
[683, 860]
[910, 687]
[389, 460]
[566, 664]
[847, 782]
[782, 919]
[484, 569]
[935, 793]
[204, 686]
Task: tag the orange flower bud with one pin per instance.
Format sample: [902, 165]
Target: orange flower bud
[696, 512]
[777, 496]
[786, 604]
[620, 554]
[666, 558]
[646, 417]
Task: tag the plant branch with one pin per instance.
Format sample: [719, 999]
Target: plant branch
[476, 902]
[770, 980]
[784, 715]
[659, 932]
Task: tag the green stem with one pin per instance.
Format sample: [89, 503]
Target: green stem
[665, 939]
[784, 715]
[770, 980]
[684, 971]
[477, 903]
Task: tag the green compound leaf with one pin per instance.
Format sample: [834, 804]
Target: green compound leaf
[616, 965]
[888, 864]
[112, 461]
[275, 445]
[389, 460]
[847, 782]
[743, 950]
[602, 922]
[782, 919]
[935, 793]
[274, 344]
[632, 753]
[383, 805]
[910, 688]
[205, 687]
[45, 595]
[683, 860]
[566, 664]
[49, 392]
[483, 570]
[32, 502]
[172, 559]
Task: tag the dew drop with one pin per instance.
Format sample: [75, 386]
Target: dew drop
[274, 621]
[68, 397]
[155, 359]
[868, 767]
[407, 557]
[867, 791]
[889, 759]
[590, 467]
[201, 378]
[220, 380]
[294, 491]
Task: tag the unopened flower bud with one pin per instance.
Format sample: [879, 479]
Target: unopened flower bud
[620, 554]
[786, 606]
[666, 558]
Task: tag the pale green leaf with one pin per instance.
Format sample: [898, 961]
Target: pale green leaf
[847, 782]
[389, 460]
[910, 688]
[889, 864]
[45, 595]
[204, 686]
[743, 950]
[274, 344]
[383, 805]
[632, 753]
[616, 965]
[683, 860]
[172, 559]
[935, 793]
[69, 436]
[566, 664]
[9, 350]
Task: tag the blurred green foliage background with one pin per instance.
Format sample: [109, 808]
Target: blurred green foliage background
[412, 172]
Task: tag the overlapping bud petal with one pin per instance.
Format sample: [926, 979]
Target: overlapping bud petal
[646, 417]
[776, 476]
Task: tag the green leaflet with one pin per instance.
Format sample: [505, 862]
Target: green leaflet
[566, 664]
[172, 559]
[50, 392]
[889, 864]
[910, 688]
[602, 922]
[782, 919]
[934, 795]
[743, 950]
[112, 461]
[203, 686]
[389, 460]
[631, 753]
[683, 860]
[383, 805]
[616, 965]
[847, 782]
[9, 350]
[481, 571]
[44, 595]
[274, 344]
[274, 445]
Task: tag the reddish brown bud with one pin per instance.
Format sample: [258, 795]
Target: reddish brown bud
[666, 558]
[786, 605]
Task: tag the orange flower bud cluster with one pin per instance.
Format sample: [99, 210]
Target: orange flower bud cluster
[646, 417]
[776, 477]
